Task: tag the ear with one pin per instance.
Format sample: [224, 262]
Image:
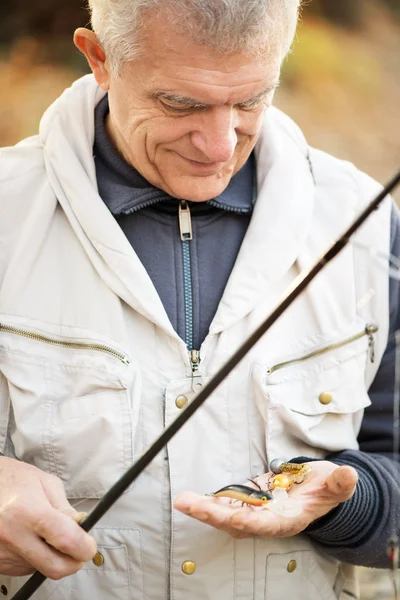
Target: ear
[86, 41]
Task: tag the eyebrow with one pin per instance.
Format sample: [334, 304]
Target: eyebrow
[187, 101]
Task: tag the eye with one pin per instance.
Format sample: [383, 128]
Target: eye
[251, 107]
[177, 108]
[264, 499]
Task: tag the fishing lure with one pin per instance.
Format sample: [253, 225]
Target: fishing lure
[285, 474]
[244, 494]
[277, 501]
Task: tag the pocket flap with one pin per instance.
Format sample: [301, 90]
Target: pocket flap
[333, 383]
[339, 390]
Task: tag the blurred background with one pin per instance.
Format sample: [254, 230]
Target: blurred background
[341, 84]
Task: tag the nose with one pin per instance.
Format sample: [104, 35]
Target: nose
[216, 136]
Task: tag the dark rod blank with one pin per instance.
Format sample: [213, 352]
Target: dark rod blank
[292, 293]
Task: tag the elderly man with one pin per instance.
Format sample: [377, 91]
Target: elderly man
[145, 232]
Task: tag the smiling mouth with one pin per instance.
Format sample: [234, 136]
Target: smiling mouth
[202, 166]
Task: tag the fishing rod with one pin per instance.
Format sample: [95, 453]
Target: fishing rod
[294, 291]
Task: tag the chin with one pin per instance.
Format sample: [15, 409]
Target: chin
[200, 191]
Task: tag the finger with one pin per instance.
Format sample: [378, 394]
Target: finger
[341, 483]
[64, 534]
[205, 509]
[238, 522]
[12, 564]
[48, 561]
[186, 500]
[261, 523]
[55, 493]
[23, 551]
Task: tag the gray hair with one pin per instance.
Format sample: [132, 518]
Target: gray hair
[224, 25]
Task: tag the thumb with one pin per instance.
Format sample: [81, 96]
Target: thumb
[55, 494]
[341, 483]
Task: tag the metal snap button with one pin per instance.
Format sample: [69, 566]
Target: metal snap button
[181, 401]
[3, 590]
[325, 398]
[188, 567]
[98, 560]
[292, 566]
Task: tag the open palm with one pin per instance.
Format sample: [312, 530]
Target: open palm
[323, 489]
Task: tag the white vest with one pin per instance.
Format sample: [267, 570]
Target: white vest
[79, 410]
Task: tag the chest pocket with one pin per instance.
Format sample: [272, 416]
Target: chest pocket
[71, 410]
[300, 575]
[314, 404]
[119, 576]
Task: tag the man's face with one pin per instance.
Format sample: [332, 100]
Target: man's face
[186, 118]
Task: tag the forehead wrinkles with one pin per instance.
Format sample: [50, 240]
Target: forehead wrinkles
[191, 60]
[174, 64]
[242, 76]
[161, 37]
[194, 62]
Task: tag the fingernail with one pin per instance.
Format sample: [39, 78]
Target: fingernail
[79, 517]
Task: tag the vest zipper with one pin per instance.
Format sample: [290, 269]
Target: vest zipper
[197, 379]
[186, 233]
[71, 345]
[369, 331]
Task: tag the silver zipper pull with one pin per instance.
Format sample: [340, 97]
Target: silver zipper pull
[197, 379]
[185, 222]
[370, 330]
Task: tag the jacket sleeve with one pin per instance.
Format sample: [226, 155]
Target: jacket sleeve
[358, 530]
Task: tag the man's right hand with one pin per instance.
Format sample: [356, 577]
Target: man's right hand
[38, 526]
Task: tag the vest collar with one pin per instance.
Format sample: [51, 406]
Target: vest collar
[276, 236]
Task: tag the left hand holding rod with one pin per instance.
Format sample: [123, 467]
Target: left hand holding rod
[323, 489]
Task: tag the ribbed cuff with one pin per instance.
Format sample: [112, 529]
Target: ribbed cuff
[353, 521]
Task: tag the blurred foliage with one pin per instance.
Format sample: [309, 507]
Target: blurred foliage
[348, 13]
[320, 56]
[54, 20]
[50, 18]
[341, 83]
[342, 86]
